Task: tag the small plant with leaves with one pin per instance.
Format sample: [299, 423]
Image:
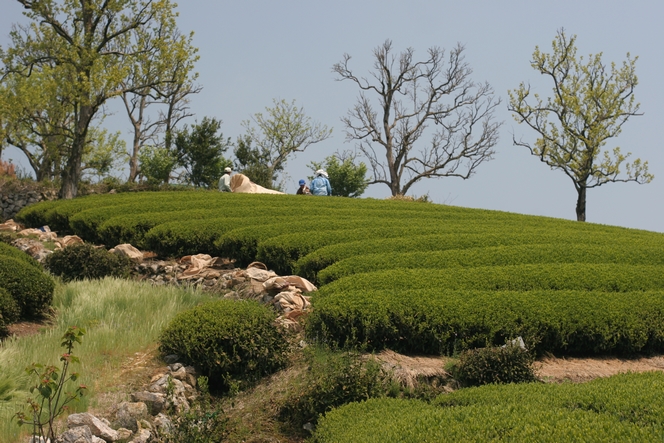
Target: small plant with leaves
[204, 422]
[51, 401]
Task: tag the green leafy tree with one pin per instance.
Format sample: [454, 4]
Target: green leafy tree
[254, 163]
[90, 48]
[200, 153]
[104, 153]
[157, 164]
[347, 179]
[591, 102]
[279, 134]
[34, 119]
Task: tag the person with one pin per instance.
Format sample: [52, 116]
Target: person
[303, 189]
[225, 181]
[320, 185]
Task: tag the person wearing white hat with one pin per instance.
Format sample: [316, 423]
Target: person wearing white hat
[320, 185]
[225, 181]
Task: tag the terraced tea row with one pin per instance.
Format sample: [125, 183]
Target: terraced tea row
[620, 408]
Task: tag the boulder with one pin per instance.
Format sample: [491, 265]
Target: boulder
[128, 415]
[97, 427]
[128, 251]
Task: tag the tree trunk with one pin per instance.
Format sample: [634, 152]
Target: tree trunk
[71, 175]
[581, 204]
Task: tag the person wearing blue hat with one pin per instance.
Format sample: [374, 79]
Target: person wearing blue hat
[303, 189]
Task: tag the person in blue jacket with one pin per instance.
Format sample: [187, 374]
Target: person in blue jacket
[320, 185]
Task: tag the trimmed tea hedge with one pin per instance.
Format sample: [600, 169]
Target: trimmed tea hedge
[620, 408]
[10, 251]
[227, 341]
[618, 252]
[431, 321]
[30, 287]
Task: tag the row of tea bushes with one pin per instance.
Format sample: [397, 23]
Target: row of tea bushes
[609, 277]
[498, 235]
[620, 408]
[627, 252]
[431, 321]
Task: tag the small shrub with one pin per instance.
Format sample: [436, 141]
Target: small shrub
[231, 342]
[9, 309]
[204, 422]
[334, 379]
[29, 286]
[509, 364]
[84, 261]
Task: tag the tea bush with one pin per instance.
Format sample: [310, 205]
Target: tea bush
[624, 407]
[333, 379]
[10, 251]
[482, 366]
[84, 261]
[28, 285]
[227, 341]
[9, 311]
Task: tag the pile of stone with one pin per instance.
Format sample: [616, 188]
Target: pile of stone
[144, 418]
[11, 203]
[32, 240]
[256, 282]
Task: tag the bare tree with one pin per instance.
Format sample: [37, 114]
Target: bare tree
[411, 95]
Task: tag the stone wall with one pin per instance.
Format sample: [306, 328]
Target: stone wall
[13, 201]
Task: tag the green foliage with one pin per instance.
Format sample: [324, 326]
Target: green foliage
[9, 311]
[104, 154]
[346, 178]
[30, 287]
[255, 163]
[333, 379]
[93, 52]
[157, 164]
[433, 321]
[85, 261]
[590, 104]
[202, 423]
[620, 408]
[228, 341]
[200, 153]
[10, 251]
[285, 130]
[481, 366]
[433, 278]
[51, 402]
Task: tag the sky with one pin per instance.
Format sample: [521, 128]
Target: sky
[255, 51]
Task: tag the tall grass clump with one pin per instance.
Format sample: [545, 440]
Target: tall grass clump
[121, 318]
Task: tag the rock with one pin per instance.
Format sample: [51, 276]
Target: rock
[128, 415]
[97, 427]
[163, 424]
[125, 434]
[175, 366]
[180, 374]
[81, 434]
[153, 400]
[142, 436]
[128, 251]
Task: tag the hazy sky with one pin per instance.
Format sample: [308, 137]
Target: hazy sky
[255, 51]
